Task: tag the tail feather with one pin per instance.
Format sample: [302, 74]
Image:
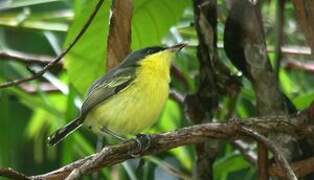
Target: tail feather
[62, 133]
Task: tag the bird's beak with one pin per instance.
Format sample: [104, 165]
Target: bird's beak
[177, 47]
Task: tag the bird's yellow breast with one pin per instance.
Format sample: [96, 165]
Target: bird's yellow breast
[138, 106]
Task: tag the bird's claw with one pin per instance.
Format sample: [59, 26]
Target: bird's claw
[143, 142]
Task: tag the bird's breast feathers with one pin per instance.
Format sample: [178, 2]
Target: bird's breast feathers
[138, 106]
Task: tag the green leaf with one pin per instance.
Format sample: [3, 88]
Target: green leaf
[86, 61]
[170, 118]
[228, 164]
[287, 83]
[303, 101]
[183, 156]
[34, 102]
[13, 119]
[7, 4]
[152, 20]
[5, 133]
[36, 123]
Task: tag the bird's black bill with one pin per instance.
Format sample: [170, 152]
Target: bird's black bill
[177, 47]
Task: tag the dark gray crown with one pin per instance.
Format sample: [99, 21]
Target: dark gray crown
[136, 56]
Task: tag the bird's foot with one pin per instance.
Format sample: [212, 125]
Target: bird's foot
[143, 142]
[106, 131]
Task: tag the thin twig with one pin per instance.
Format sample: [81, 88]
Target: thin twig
[177, 96]
[301, 168]
[299, 65]
[25, 57]
[12, 174]
[279, 157]
[295, 50]
[55, 61]
[89, 164]
[44, 87]
[245, 151]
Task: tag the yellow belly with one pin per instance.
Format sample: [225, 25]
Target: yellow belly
[131, 110]
[138, 106]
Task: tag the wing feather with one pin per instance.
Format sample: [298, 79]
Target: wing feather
[107, 86]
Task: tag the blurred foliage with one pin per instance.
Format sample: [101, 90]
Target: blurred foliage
[46, 26]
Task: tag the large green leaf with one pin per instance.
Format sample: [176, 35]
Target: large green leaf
[5, 134]
[228, 164]
[151, 22]
[86, 61]
[13, 119]
[170, 117]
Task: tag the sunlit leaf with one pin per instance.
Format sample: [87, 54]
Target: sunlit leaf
[304, 100]
[86, 61]
[7, 4]
[152, 20]
[36, 123]
[228, 164]
[170, 117]
[5, 135]
[183, 156]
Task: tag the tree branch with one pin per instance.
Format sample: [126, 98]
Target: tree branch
[246, 151]
[300, 168]
[56, 60]
[202, 104]
[11, 173]
[44, 87]
[299, 125]
[25, 57]
[299, 65]
[279, 157]
[177, 96]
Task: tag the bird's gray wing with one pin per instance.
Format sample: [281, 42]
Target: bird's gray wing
[107, 86]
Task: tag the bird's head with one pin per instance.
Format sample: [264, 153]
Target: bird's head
[153, 54]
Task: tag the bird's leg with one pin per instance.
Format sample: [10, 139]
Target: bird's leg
[143, 142]
[113, 134]
[99, 144]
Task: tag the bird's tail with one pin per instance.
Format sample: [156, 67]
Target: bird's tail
[62, 133]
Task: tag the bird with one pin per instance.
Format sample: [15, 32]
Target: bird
[129, 98]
